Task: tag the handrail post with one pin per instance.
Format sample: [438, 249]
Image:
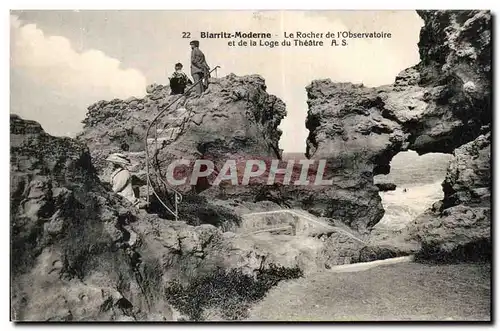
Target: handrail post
[156, 136]
[176, 209]
[147, 182]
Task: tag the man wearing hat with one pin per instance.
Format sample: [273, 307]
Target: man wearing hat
[199, 67]
[121, 179]
[178, 81]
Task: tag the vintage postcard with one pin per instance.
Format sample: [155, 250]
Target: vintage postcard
[250, 165]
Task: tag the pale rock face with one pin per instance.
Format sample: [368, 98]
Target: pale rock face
[469, 87]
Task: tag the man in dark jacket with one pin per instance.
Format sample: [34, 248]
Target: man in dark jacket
[178, 81]
[199, 67]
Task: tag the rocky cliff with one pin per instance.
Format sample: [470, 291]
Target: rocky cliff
[439, 105]
[70, 247]
[83, 253]
[234, 119]
[435, 106]
[459, 226]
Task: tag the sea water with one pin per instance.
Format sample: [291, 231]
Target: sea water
[421, 176]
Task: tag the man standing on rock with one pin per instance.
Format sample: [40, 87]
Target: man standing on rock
[199, 67]
[178, 81]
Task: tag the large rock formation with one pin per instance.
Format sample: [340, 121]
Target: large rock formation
[349, 129]
[456, 52]
[234, 119]
[81, 252]
[459, 226]
[72, 256]
[436, 106]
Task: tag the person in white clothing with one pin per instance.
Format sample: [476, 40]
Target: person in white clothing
[121, 179]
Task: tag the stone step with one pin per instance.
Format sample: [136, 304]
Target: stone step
[159, 140]
[165, 134]
[175, 117]
[302, 222]
[167, 131]
[171, 120]
[362, 266]
[170, 123]
[134, 154]
[181, 112]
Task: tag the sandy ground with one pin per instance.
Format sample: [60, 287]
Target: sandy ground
[403, 291]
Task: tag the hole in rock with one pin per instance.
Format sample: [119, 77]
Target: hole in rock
[418, 185]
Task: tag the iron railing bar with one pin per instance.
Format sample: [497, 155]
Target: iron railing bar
[177, 194]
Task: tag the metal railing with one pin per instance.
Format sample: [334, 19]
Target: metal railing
[177, 194]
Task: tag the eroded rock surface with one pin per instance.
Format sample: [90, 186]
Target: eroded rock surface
[72, 255]
[234, 119]
[81, 252]
[459, 226]
[435, 106]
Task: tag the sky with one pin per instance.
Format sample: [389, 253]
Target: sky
[63, 61]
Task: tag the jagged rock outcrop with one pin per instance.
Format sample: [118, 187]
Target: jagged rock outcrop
[435, 106]
[459, 226]
[81, 252]
[348, 129]
[72, 251]
[235, 119]
[455, 51]
[386, 186]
